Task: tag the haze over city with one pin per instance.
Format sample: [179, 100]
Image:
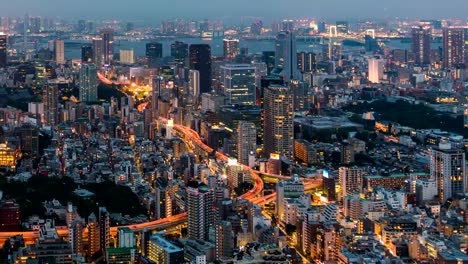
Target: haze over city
[155, 11]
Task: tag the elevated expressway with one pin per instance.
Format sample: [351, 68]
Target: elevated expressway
[191, 137]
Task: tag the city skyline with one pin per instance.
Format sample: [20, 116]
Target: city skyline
[277, 9]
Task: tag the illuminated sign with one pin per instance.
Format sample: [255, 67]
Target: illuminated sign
[274, 156]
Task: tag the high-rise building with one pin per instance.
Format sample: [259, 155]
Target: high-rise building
[59, 51]
[286, 55]
[88, 83]
[306, 61]
[375, 70]
[86, 53]
[421, 46]
[154, 52]
[350, 180]
[200, 213]
[94, 237]
[230, 48]
[246, 141]
[278, 128]
[3, 50]
[9, 215]
[98, 53]
[163, 201]
[200, 60]
[107, 36]
[50, 100]
[454, 46]
[448, 169]
[194, 83]
[104, 229]
[179, 50]
[224, 240]
[29, 138]
[239, 83]
[268, 57]
[127, 238]
[127, 56]
[76, 236]
[162, 251]
[292, 188]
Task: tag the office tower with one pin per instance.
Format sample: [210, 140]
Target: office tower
[286, 55]
[29, 138]
[230, 48]
[239, 83]
[127, 238]
[376, 70]
[342, 27]
[292, 188]
[268, 57]
[86, 54]
[98, 54]
[200, 60]
[306, 61]
[154, 53]
[224, 240]
[447, 167]
[162, 251]
[200, 213]
[104, 229]
[59, 51]
[350, 180]
[246, 141]
[421, 46]
[194, 83]
[75, 233]
[50, 100]
[301, 95]
[127, 56]
[179, 50]
[81, 26]
[162, 199]
[94, 237]
[107, 36]
[454, 46]
[371, 44]
[88, 83]
[260, 72]
[3, 50]
[278, 125]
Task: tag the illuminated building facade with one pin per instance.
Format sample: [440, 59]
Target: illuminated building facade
[179, 50]
[50, 100]
[454, 46]
[376, 70]
[230, 48]
[421, 46]
[239, 83]
[88, 83]
[59, 51]
[246, 141]
[161, 251]
[86, 54]
[200, 202]
[8, 157]
[278, 128]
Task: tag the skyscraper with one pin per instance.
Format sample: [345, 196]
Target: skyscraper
[162, 199]
[286, 55]
[98, 55]
[239, 83]
[127, 56]
[194, 83]
[93, 234]
[454, 46]
[268, 57]
[224, 240]
[447, 167]
[230, 48]
[278, 128]
[179, 50]
[88, 83]
[200, 202]
[246, 141]
[421, 45]
[200, 60]
[306, 61]
[375, 70]
[107, 36]
[154, 52]
[59, 51]
[50, 100]
[86, 53]
[104, 229]
[76, 236]
[3, 50]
